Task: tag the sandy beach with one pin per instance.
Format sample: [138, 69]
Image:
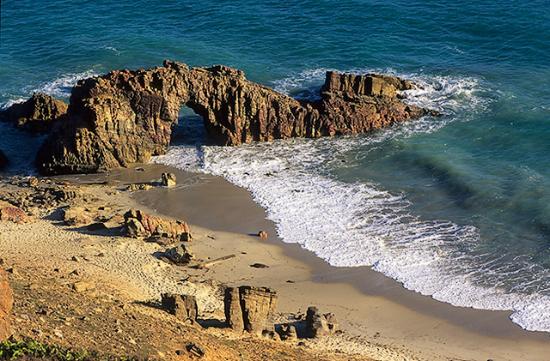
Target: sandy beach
[381, 319]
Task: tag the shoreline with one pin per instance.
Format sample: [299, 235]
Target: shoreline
[376, 307]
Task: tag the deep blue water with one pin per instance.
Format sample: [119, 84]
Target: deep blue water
[456, 207]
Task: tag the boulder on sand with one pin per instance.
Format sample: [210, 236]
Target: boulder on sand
[168, 180]
[141, 224]
[288, 332]
[178, 255]
[76, 216]
[11, 213]
[318, 324]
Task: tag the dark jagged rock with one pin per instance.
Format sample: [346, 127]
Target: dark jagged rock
[288, 332]
[127, 116]
[37, 114]
[178, 255]
[3, 160]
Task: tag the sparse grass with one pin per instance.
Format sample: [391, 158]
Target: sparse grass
[29, 349]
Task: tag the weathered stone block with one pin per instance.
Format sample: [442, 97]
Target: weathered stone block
[318, 324]
[184, 307]
[250, 308]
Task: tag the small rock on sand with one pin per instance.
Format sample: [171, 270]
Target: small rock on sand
[178, 255]
[288, 332]
[259, 265]
[82, 286]
[76, 216]
[168, 180]
[13, 214]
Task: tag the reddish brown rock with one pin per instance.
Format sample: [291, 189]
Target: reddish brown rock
[126, 116]
[10, 213]
[37, 114]
[6, 304]
[140, 224]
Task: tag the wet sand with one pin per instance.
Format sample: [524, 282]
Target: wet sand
[367, 303]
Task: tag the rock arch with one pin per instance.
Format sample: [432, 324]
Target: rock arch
[127, 116]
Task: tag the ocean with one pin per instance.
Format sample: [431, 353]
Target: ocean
[455, 207]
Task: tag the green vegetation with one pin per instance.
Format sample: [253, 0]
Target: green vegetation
[29, 349]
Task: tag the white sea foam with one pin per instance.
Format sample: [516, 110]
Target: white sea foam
[112, 49]
[11, 102]
[61, 87]
[354, 224]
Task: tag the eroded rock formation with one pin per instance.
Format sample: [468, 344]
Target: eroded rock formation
[184, 307]
[6, 304]
[37, 114]
[319, 324]
[127, 116]
[250, 308]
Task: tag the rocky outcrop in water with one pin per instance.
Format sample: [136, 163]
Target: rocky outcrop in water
[37, 114]
[127, 116]
[6, 304]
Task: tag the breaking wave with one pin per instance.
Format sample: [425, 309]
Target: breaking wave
[358, 224]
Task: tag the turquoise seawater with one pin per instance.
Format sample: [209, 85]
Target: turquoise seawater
[456, 207]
